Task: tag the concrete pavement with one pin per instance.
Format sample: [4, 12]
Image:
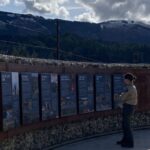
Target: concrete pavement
[142, 142]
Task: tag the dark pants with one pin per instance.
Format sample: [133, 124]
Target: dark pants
[128, 111]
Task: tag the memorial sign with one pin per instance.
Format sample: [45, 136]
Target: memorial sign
[49, 96]
[86, 93]
[119, 87]
[10, 100]
[103, 92]
[68, 95]
[30, 97]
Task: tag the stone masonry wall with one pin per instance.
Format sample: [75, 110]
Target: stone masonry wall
[60, 133]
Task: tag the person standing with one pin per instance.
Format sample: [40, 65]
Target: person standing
[130, 100]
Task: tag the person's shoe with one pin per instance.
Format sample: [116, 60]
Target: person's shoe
[127, 145]
[119, 142]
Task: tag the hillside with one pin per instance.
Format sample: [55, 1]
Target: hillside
[112, 41]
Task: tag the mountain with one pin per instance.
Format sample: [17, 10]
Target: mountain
[109, 41]
[112, 31]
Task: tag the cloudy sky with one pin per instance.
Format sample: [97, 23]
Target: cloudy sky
[82, 10]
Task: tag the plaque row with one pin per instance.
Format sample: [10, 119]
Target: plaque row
[28, 98]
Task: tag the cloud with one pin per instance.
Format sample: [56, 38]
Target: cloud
[87, 17]
[53, 7]
[86, 10]
[118, 9]
[4, 2]
[74, 8]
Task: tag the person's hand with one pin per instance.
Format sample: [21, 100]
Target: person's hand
[121, 93]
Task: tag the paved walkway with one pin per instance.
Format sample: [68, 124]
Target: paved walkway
[142, 142]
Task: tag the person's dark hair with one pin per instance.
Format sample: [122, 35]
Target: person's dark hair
[130, 77]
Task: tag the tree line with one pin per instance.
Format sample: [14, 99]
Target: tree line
[73, 46]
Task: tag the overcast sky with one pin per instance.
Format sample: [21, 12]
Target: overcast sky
[82, 10]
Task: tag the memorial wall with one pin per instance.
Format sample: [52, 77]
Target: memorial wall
[55, 99]
[33, 97]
